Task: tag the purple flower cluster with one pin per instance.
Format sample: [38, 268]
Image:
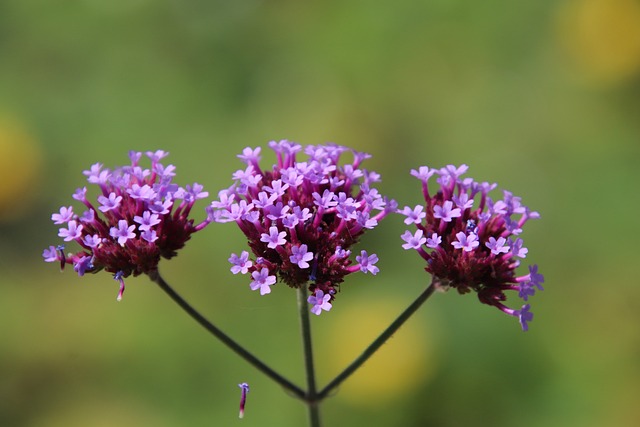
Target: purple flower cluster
[472, 248]
[301, 218]
[140, 216]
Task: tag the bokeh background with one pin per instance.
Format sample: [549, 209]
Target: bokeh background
[540, 96]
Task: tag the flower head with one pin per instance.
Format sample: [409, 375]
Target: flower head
[140, 216]
[302, 216]
[472, 244]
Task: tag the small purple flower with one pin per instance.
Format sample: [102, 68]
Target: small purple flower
[92, 241]
[445, 212]
[262, 280]
[466, 243]
[497, 246]
[413, 216]
[472, 246]
[147, 220]
[65, 215]
[250, 156]
[241, 264]
[423, 173]
[82, 264]
[525, 316]
[109, 203]
[320, 302]
[300, 256]
[274, 238]
[518, 250]
[535, 278]
[434, 241]
[149, 235]
[123, 232]
[72, 232]
[414, 241]
[50, 254]
[367, 263]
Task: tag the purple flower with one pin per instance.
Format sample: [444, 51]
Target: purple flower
[524, 316]
[300, 256]
[434, 241]
[306, 215]
[50, 254]
[535, 278]
[65, 215]
[92, 241]
[464, 242]
[147, 220]
[367, 263]
[109, 203]
[473, 248]
[445, 212]
[497, 246]
[414, 241]
[274, 238]
[241, 264]
[320, 301]
[413, 216]
[123, 232]
[262, 280]
[129, 196]
[72, 232]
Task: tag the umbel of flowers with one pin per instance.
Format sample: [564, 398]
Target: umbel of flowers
[471, 242]
[301, 217]
[140, 217]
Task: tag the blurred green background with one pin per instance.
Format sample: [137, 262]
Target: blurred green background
[542, 97]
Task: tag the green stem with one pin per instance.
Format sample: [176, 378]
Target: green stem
[378, 342]
[226, 340]
[312, 395]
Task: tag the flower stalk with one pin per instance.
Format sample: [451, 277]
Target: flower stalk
[305, 328]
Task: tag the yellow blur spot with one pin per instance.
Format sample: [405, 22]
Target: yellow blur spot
[20, 163]
[603, 37]
[402, 365]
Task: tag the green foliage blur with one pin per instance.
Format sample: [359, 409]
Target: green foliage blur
[542, 97]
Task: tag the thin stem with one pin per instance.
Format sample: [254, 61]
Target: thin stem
[226, 340]
[312, 394]
[375, 345]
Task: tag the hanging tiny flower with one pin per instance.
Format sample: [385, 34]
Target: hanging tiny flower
[472, 248]
[140, 217]
[301, 218]
[243, 398]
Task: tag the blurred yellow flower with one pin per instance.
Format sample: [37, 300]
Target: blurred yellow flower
[603, 37]
[401, 365]
[20, 163]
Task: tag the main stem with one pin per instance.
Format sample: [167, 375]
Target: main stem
[311, 398]
[226, 340]
[374, 346]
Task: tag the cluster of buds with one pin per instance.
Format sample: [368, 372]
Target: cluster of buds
[140, 217]
[469, 241]
[301, 218]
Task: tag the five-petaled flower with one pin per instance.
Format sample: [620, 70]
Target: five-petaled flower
[471, 248]
[301, 217]
[141, 216]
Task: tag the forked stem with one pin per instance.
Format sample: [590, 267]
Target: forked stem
[375, 345]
